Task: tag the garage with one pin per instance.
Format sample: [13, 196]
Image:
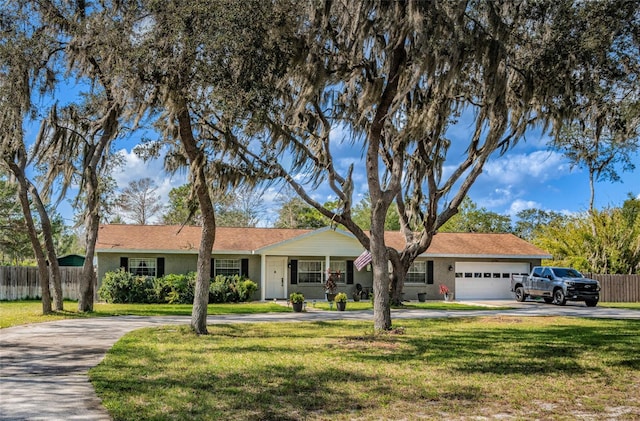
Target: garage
[486, 280]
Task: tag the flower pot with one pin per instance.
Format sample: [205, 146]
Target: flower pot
[341, 306]
[422, 297]
[297, 307]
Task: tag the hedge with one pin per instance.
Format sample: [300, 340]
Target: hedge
[123, 287]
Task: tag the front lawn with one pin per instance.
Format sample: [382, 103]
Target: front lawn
[462, 368]
[628, 306]
[14, 313]
[410, 305]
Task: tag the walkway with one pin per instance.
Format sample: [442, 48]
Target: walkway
[43, 367]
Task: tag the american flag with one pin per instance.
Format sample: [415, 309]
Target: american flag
[363, 260]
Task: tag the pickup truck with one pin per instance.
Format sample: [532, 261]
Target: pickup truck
[556, 285]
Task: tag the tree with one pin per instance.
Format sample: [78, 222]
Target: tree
[239, 207]
[14, 239]
[530, 221]
[295, 213]
[205, 66]
[362, 215]
[139, 201]
[616, 248]
[396, 75]
[75, 140]
[23, 45]
[599, 145]
[182, 209]
[470, 218]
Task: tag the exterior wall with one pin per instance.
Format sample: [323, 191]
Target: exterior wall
[173, 263]
[441, 275]
[176, 264]
[316, 291]
[318, 244]
[254, 269]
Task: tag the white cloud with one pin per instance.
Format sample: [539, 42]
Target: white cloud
[517, 169]
[499, 197]
[520, 205]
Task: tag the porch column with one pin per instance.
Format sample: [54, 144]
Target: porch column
[263, 277]
[327, 265]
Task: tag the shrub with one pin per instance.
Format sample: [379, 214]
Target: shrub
[341, 297]
[296, 297]
[123, 287]
[176, 289]
[231, 289]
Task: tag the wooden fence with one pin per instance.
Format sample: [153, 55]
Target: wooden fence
[618, 288]
[21, 282]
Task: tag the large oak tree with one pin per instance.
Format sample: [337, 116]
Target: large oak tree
[395, 76]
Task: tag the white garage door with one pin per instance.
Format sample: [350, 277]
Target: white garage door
[486, 280]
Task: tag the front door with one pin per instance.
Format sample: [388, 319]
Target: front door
[276, 277]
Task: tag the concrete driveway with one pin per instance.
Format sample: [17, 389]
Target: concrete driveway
[43, 367]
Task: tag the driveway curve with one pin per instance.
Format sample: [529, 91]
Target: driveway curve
[43, 367]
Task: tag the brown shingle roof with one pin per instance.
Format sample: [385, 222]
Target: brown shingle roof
[472, 244]
[167, 238]
[170, 237]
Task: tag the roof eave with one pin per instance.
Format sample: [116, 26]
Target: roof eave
[488, 256]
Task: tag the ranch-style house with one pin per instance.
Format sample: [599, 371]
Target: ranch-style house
[281, 261]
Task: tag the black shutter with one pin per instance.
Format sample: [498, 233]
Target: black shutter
[294, 271]
[349, 272]
[160, 267]
[244, 267]
[213, 269]
[430, 271]
[124, 263]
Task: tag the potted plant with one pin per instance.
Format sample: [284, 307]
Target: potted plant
[444, 290]
[422, 296]
[297, 301]
[331, 284]
[341, 301]
[357, 292]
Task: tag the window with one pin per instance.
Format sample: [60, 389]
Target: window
[227, 267]
[310, 272]
[142, 266]
[339, 265]
[417, 272]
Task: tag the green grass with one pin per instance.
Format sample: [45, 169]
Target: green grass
[368, 305]
[493, 367]
[628, 306]
[14, 313]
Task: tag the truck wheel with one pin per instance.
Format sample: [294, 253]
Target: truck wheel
[520, 295]
[548, 300]
[591, 303]
[558, 297]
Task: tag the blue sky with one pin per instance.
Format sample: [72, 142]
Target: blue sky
[527, 176]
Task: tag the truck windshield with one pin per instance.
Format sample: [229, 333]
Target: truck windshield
[567, 273]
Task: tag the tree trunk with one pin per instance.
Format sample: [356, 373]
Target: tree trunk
[43, 270]
[379, 258]
[47, 233]
[198, 162]
[397, 282]
[92, 224]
